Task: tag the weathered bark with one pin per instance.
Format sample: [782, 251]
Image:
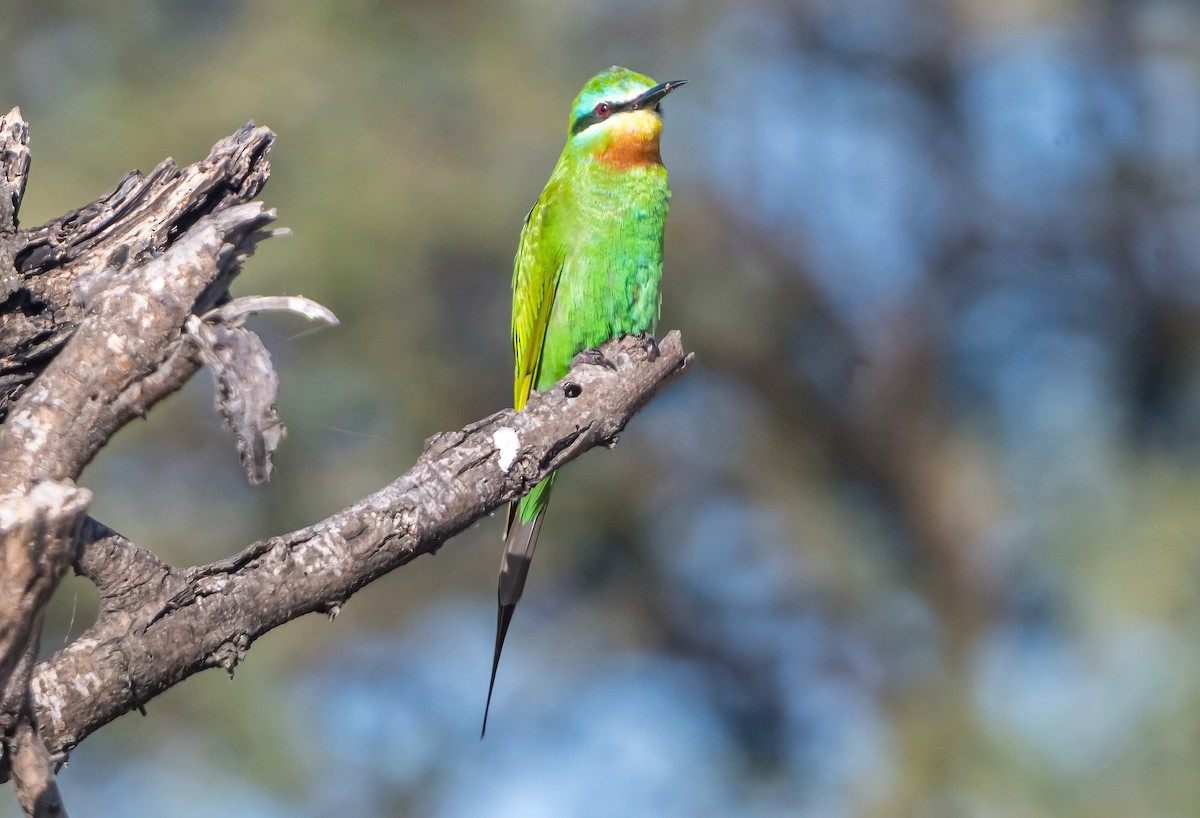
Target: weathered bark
[14, 168]
[104, 377]
[93, 312]
[113, 307]
[160, 624]
[52, 270]
[38, 534]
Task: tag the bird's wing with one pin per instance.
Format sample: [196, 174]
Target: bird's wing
[535, 280]
[536, 273]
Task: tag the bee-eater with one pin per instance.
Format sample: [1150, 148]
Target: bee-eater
[587, 269]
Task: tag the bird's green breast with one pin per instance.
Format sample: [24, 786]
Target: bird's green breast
[606, 226]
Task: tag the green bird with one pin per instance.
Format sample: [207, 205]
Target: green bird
[587, 269]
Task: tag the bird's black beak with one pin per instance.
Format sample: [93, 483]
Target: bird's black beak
[651, 98]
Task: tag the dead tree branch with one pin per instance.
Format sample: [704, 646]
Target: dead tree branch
[113, 307]
[53, 268]
[158, 624]
[93, 310]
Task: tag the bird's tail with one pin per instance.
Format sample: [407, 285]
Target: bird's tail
[524, 525]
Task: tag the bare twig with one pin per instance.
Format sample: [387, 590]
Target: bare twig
[14, 168]
[33, 779]
[244, 377]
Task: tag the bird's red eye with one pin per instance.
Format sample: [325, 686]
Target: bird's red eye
[602, 109]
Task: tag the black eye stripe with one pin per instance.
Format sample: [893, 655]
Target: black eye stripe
[583, 121]
[647, 100]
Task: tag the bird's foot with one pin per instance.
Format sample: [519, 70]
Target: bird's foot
[650, 345]
[594, 357]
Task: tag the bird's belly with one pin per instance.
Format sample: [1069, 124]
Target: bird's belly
[611, 234]
[599, 299]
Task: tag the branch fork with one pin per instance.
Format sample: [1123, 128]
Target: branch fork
[111, 308]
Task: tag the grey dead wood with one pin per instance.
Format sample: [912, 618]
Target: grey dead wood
[93, 312]
[111, 308]
[159, 624]
[38, 538]
[52, 266]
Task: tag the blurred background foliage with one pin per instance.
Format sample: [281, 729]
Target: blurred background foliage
[920, 535]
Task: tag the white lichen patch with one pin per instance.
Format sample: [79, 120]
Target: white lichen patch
[19, 509]
[214, 585]
[85, 683]
[51, 704]
[507, 445]
[35, 427]
[319, 555]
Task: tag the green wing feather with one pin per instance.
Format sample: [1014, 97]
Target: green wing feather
[535, 280]
[536, 274]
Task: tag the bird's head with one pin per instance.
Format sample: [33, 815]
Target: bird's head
[617, 119]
